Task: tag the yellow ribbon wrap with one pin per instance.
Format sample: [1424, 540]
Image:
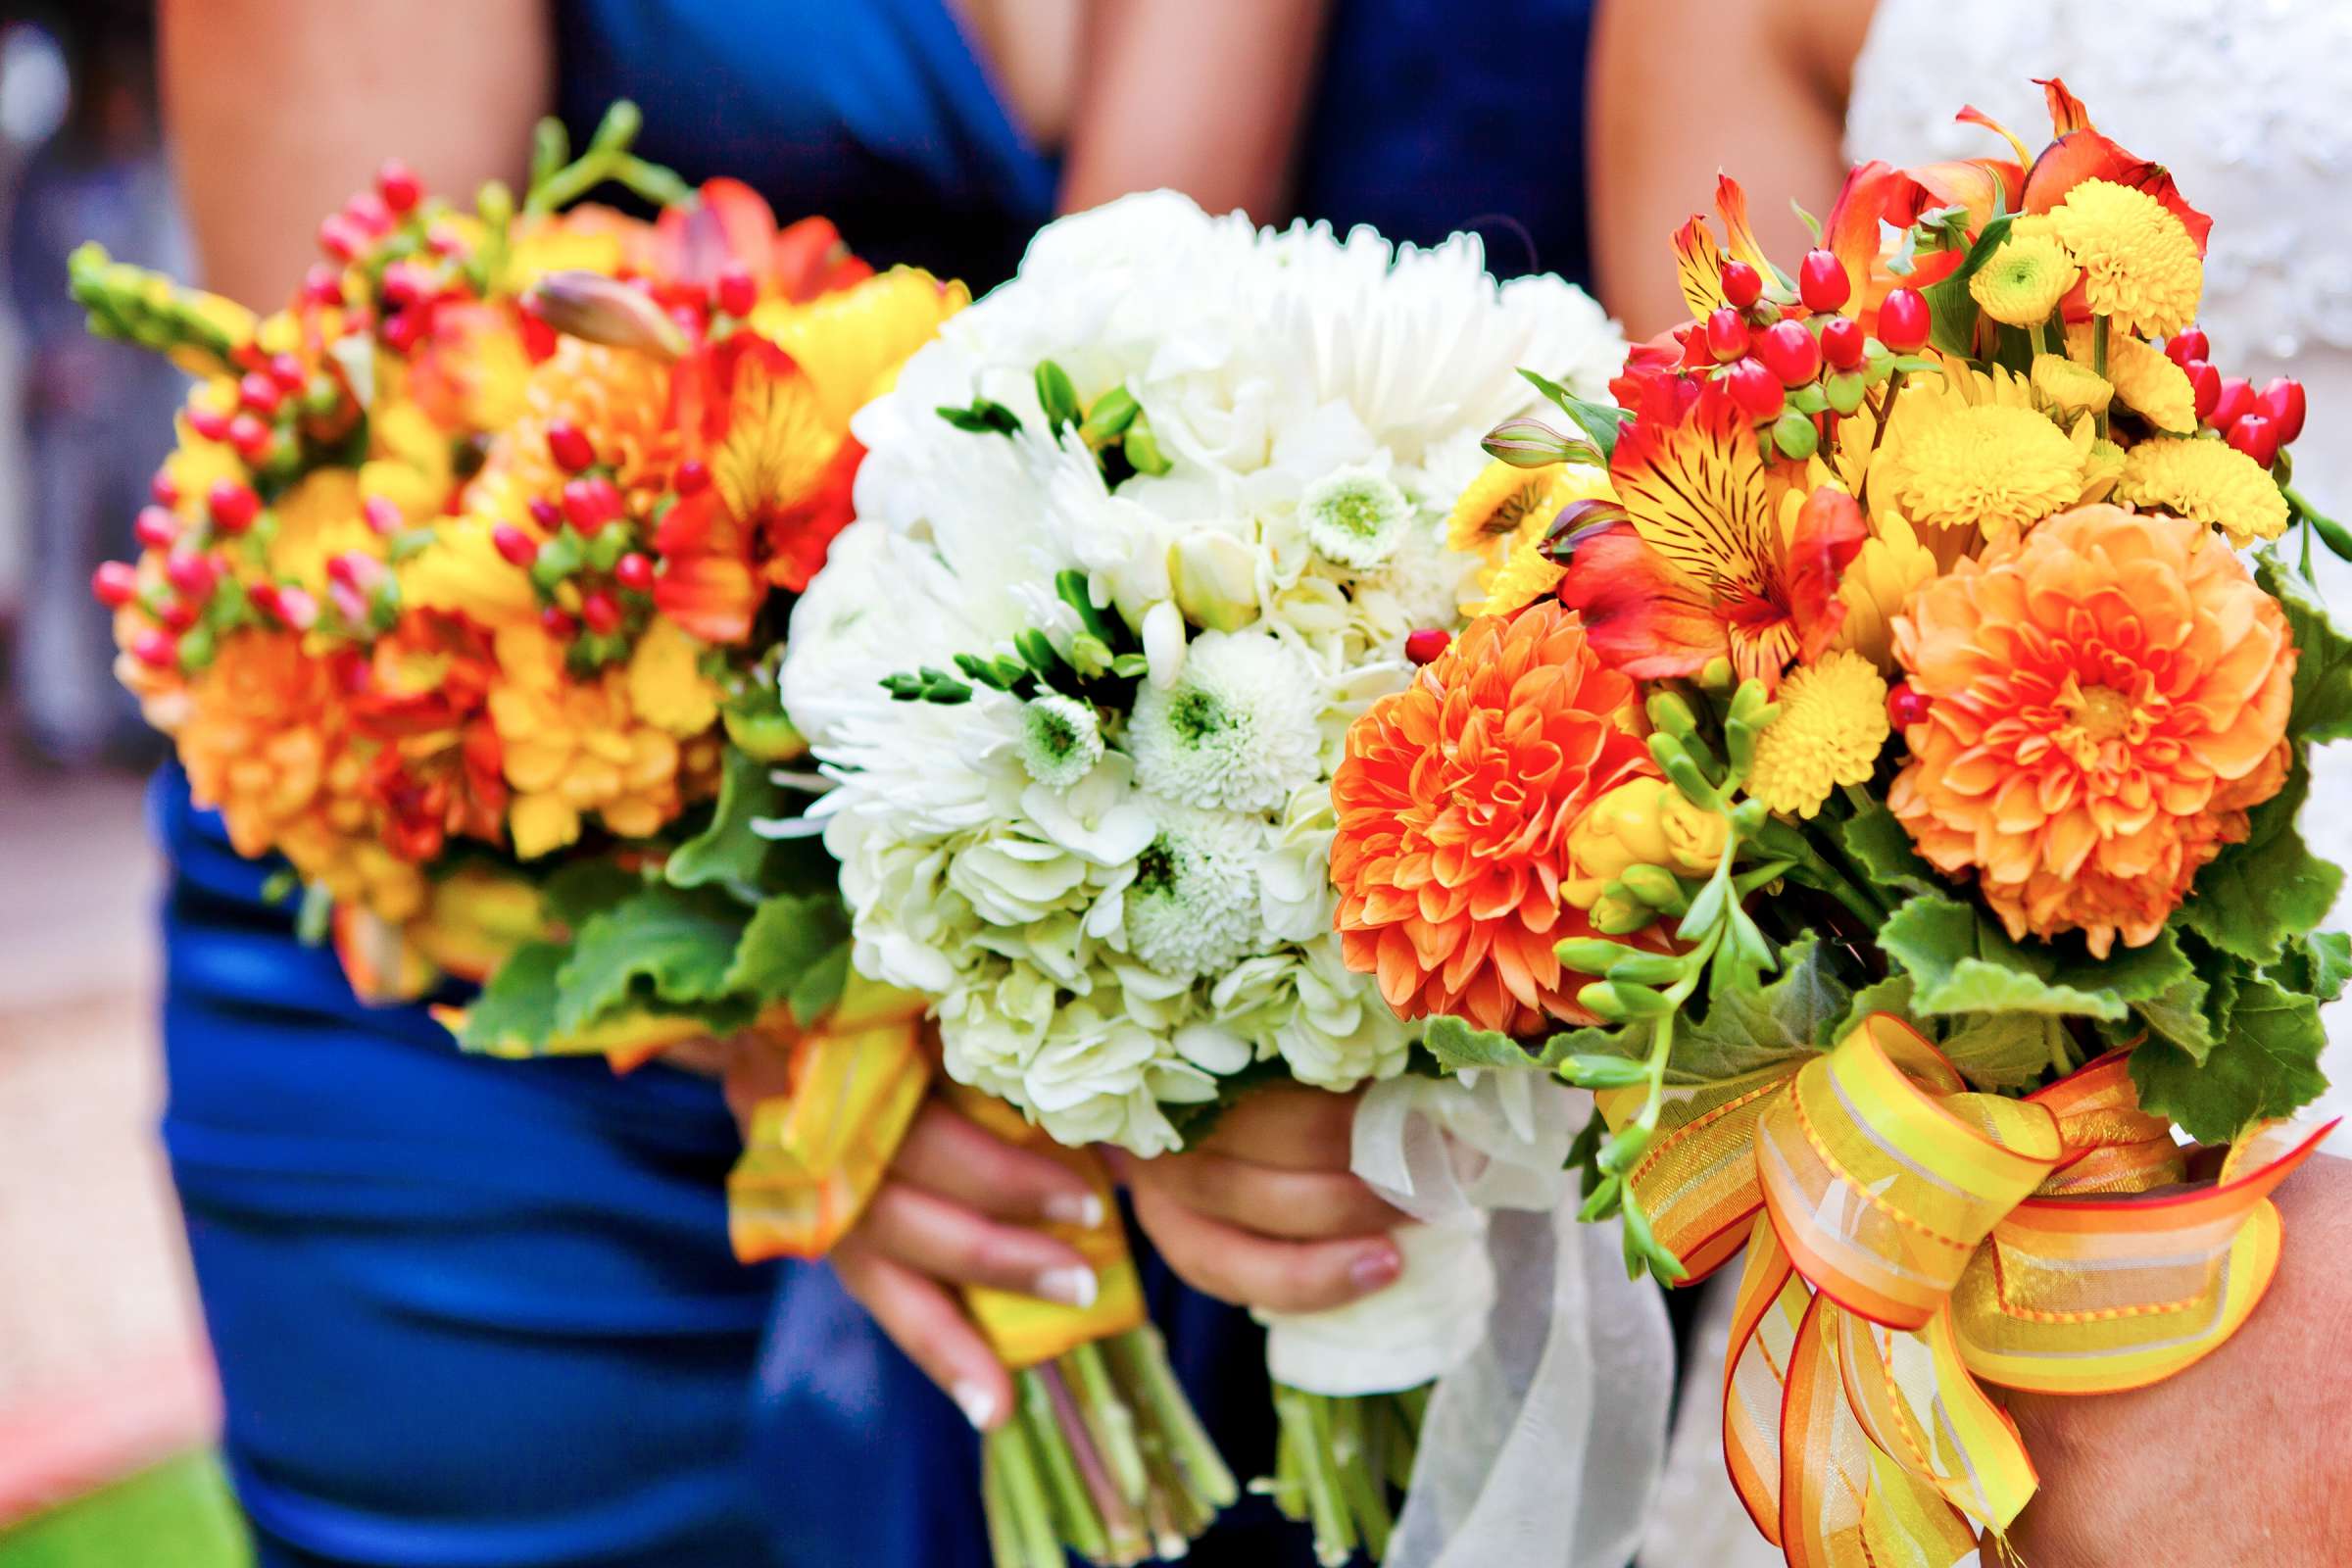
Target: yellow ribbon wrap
[1022, 1329]
[1908, 1238]
[815, 1154]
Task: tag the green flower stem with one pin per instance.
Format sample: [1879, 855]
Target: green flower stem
[1140, 1360]
[1360, 1480]
[1814, 870]
[1301, 1417]
[1108, 1420]
[1027, 1516]
[1075, 1506]
[2098, 361]
[1122, 1531]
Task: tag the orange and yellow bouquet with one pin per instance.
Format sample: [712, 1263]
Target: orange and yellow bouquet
[463, 591]
[1884, 799]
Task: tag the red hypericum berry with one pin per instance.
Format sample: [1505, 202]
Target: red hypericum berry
[736, 291]
[156, 647]
[1743, 286]
[233, 506]
[155, 528]
[2205, 385]
[2186, 345]
[546, 513]
[286, 370]
[1843, 343]
[323, 284]
[1906, 706]
[634, 571]
[1788, 350]
[538, 339]
[2282, 403]
[296, 608]
[382, 515]
[116, 583]
[267, 597]
[1822, 283]
[400, 332]
[260, 393]
[1728, 336]
[692, 477]
[518, 548]
[397, 183]
[176, 615]
[250, 435]
[602, 611]
[405, 284]
[192, 575]
[2234, 404]
[340, 238]
[591, 503]
[555, 623]
[1904, 322]
[340, 570]
[210, 423]
[1424, 644]
[569, 446]
[369, 210]
[1756, 390]
[162, 489]
[2257, 438]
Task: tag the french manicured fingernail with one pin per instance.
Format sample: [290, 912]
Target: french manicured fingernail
[1071, 1287]
[978, 1405]
[1083, 1209]
[1375, 1268]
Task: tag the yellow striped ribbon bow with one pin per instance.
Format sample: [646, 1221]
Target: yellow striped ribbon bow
[1908, 1238]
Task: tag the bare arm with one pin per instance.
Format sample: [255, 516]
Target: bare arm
[1681, 88]
[1205, 96]
[279, 109]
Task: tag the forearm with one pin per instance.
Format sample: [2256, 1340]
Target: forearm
[1203, 96]
[2246, 1456]
[279, 109]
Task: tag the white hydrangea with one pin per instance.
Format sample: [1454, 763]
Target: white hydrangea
[1117, 886]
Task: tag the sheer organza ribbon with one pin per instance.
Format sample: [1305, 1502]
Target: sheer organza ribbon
[1546, 1432]
[1908, 1238]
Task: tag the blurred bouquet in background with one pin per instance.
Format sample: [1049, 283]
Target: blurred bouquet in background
[1901, 766]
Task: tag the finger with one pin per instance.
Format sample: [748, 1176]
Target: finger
[923, 1320]
[1290, 1126]
[1249, 1270]
[950, 1155]
[948, 1240]
[1300, 1205]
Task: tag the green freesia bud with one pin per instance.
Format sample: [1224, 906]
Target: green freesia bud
[1057, 395]
[1214, 578]
[1089, 654]
[1588, 954]
[1646, 969]
[1657, 887]
[1716, 676]
[1142, 448]
[1619, 914]
[1114, 412]
[1605, 1072]
[1530, 443]
[1669, 712]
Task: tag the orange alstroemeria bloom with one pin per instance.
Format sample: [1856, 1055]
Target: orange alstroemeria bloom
[1455, 802]
[1723, 557]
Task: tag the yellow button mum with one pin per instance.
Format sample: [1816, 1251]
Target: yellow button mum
[2205, 481]
[2022, 283]
[1974, 452]
[2069, 388]
[1830, 727]
[2145, 381]
[2140, 269]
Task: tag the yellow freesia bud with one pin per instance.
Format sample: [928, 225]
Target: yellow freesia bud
[1214, 579]
[1646, 822]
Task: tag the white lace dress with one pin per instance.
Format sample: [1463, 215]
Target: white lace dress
[2250, 106]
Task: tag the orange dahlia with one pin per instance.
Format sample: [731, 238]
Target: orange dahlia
[2105, 701]
[1455, 802]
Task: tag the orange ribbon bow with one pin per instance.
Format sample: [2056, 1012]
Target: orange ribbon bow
[1906, 1238]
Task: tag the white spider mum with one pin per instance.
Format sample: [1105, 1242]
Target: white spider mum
[1193, 908]
[1355, 516]
[1062, 740]
[1236, 729]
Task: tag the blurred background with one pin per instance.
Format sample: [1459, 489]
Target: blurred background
[107, 1401]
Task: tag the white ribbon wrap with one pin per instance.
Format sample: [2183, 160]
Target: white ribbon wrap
[1544, 1438]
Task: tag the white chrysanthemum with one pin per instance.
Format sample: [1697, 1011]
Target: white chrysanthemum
[1236, 729]
[1062, 740]
[1193, 908]
[1355, 516]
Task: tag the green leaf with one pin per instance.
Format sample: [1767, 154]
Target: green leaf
[820, 986]
[2261, 894]
[1749, 1026]
[2184, 1016]
[785, 940]
[2327, 956]
[1456, 1046]
[577, 891]
[516, 1011]
[985, 416]
[1881, 849]
[730, 852]
[665, 943]
[2322, 710]
[1891, 995]
[1960, 961]
[2267, 1065]
[1600, 420]
[2007, 1050]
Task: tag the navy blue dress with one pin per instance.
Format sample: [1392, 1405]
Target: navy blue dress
[475, 1314]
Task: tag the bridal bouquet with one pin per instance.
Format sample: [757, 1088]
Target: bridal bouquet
[453, 593]
[1885, 801]
[1138, 538]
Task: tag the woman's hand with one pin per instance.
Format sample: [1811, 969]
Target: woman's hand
[1264, 1213]
[956, 1207]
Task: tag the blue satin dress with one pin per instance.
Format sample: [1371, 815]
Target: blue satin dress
[483, 1314]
